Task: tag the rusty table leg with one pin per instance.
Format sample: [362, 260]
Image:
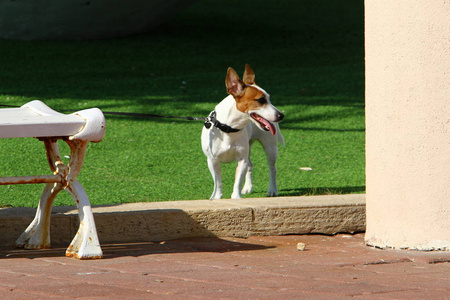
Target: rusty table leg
[37, 235]
[85, 244]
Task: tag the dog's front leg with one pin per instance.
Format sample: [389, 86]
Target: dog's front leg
[248, 186]
[214, 168]
[241, 170]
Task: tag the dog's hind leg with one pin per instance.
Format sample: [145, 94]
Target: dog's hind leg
[271, 155]
[214, 168]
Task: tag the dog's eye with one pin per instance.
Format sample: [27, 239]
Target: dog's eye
[261, 100]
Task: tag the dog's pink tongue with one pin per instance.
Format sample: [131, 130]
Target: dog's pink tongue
[269, 125]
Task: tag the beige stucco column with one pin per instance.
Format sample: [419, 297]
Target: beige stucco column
[408, 123]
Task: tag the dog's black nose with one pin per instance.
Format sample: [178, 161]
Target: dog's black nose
[280, 116]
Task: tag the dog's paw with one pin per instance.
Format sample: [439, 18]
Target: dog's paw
[216, 196]
[236, 196]
[247, 190]
[272, 193]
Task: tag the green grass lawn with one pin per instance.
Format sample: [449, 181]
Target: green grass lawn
[308, 55]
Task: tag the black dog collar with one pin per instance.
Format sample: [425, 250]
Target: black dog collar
[211, 120]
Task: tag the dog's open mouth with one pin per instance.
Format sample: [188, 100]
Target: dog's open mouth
[266, 125]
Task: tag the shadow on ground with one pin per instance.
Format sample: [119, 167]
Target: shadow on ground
[110, 251]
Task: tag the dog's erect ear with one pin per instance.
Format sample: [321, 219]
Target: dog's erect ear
[249, 75]
[234, 84]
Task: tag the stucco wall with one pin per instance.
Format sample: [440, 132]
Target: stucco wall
[408, 123]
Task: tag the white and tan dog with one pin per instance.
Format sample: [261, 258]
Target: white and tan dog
[238, 120]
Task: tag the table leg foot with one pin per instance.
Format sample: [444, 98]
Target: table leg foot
[37, 234]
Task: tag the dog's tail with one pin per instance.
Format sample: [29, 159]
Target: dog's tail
[280, 137]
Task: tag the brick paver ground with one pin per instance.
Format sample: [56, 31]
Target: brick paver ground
[331, 267]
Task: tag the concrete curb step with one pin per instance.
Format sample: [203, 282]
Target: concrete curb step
[160, 221]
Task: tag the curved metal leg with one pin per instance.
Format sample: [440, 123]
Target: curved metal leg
[85, 244]
[37, 235]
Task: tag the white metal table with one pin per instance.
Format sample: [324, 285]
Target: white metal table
[35, 119]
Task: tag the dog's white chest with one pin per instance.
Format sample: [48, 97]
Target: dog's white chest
[225, 148]
[230, 153]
